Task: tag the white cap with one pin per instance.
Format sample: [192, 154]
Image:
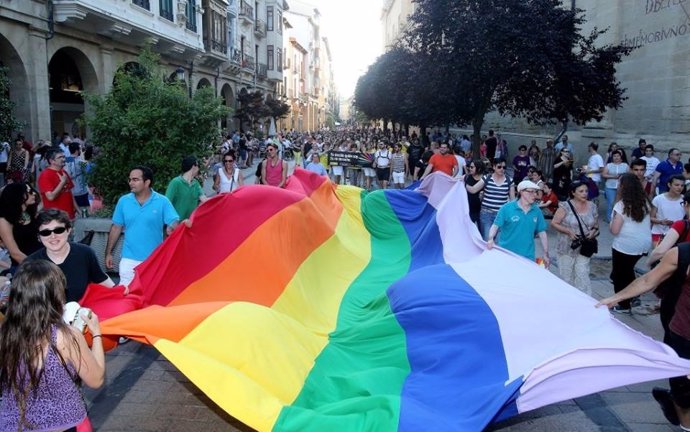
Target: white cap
[526, 184]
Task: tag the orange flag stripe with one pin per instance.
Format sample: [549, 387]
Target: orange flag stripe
[259, 274]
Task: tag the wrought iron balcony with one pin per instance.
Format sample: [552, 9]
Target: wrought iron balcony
[248, 63]
[216, 45]
[246, 12]
[235, 56]
[263, 71]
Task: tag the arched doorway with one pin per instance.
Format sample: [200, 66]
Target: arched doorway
[19, 92]
[203, 82]
[70, 73]
[228, 99]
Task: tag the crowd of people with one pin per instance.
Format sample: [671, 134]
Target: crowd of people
[510, 200]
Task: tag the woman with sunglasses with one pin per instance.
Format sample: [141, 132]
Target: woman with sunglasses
[498, 189]
[77, 261]
[18, 227]
[42, 359]
[475, 171]
[229, 176]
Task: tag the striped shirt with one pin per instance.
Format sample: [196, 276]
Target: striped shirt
[495, 195]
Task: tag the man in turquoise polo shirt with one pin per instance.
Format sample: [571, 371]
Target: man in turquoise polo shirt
[184, 191]
[143, 214]
[518, 221]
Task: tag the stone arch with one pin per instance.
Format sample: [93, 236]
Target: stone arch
[19, 92]
[203, 82]
[70, 72]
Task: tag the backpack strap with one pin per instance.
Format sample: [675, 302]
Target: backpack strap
[683, 258]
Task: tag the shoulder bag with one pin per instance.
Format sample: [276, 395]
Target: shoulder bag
[588, 246]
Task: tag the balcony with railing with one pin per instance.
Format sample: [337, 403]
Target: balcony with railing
[248, 63]
[133, 22]
[246, 12]
[262, 72]
[216, 46]
[235, 56]
[260, 28]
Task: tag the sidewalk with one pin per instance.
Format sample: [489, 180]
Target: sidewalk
[144, 392]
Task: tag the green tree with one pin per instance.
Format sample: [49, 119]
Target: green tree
[252, 108]
[9, 125]
[403, 86]
[277, 109]
[524, 58]
[147, 120]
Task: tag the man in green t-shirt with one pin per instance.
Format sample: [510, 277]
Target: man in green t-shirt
[184, 191]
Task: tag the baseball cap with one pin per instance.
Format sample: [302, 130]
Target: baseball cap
[526, 184]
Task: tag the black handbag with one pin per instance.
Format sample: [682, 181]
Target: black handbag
[588, 246]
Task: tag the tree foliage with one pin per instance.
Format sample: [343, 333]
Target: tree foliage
[147, 120]
[9, 125]
[277, 109]
[252, 108]
[461, 59]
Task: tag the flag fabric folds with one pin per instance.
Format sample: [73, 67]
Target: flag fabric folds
[321, 307]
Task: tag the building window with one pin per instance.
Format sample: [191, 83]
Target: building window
[279, 60]
[166, 9]
[269, 58]
[142, 3]
[190, 12]
[279, 25]
[218, 32]
[269, 18]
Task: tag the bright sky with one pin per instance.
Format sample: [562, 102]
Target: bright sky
[355, 35]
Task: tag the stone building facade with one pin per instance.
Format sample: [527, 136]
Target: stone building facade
[57, 49]
[308, 84]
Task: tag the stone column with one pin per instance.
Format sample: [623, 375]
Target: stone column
[107, 69]
[37, 78]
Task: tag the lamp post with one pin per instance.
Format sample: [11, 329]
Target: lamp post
[179, 73]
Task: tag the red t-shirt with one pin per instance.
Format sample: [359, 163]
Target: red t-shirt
[554, 201]
[47, 182]
[679, 227]
[443, 163]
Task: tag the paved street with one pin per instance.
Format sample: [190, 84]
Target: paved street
[144, 392]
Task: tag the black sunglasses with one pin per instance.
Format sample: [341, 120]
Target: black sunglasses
[48, 232]
[229, 160]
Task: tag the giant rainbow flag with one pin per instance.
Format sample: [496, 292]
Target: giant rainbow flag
[323, 308]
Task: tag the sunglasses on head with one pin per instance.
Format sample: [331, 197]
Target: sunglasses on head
[48, 232]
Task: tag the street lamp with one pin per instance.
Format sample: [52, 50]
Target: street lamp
[179, 73]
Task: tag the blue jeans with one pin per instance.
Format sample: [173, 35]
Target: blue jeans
[610, 201]
[486, 219]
